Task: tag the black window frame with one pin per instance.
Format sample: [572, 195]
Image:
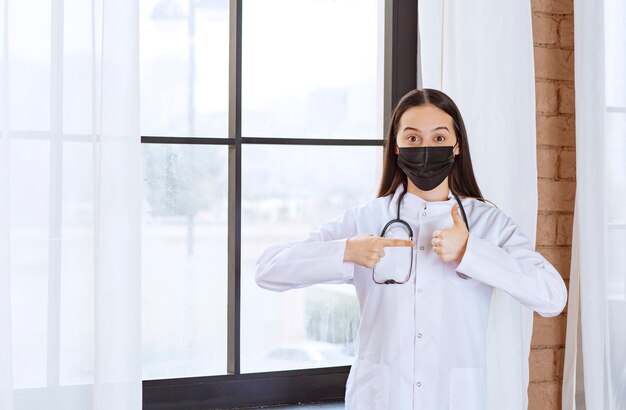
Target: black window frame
[234, 389]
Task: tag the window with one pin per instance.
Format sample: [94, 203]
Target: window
[615, 153]
[615, 129]
[250, 112]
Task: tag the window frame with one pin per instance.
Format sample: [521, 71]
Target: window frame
[291, 386]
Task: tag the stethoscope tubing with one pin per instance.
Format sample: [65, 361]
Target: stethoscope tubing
[410, 230]
[407, 225]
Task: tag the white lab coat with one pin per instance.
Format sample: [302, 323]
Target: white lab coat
[421, 345]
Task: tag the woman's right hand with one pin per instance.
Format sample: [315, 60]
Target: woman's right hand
[367, 250]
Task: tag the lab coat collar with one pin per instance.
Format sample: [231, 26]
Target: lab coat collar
[415, 201]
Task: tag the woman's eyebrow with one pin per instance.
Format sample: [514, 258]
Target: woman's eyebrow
[434, 129]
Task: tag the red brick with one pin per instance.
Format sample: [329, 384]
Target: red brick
[564, 228]
[544, 395]
[545, 29]
[556, 195]
[567, 164]
[559, 359]
[554, 63]
[542, 365]
[558, 130]
[546, 94]
[546, 229]
[553, 6]
[548, 331]
[547, 161]
[566, 31]
[566, 96]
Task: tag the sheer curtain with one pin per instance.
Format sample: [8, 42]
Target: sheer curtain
[596, 333]
[481, 54]
[70, 319]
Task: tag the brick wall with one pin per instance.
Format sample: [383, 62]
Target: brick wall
[553, 37]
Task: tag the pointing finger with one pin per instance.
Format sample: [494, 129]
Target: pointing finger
[397, 242]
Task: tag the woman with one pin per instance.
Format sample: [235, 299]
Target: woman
[424, 298]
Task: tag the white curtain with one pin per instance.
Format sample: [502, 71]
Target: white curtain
[595, 353]
[480, 53]
[70, 319]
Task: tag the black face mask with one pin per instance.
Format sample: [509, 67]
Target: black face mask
[427, 167]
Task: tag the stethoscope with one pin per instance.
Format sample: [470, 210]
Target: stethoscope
[410, 231]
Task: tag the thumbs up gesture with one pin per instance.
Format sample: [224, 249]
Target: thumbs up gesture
[449, 244]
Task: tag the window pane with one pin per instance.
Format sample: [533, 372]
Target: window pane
[305, 75]
[184, 67]
[615, 57]
[28, 65]
[30, 245]
[77, 67]
[77, 264]
[184, 276]
[615, 132]
[288, 191]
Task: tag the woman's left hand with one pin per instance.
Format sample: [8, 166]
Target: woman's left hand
[449, 244]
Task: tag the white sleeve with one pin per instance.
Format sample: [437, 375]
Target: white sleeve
[316, 259]
[515, 267]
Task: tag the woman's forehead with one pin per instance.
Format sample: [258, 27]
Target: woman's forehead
[425, 118]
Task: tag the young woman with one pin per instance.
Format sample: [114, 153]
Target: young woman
[424, 257]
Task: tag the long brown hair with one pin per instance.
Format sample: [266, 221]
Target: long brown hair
[461, 179]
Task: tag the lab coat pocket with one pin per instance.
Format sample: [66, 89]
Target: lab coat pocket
[467, 388]
[368, 386]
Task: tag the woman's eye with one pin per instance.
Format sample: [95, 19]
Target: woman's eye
[440, 138]
[412, 138]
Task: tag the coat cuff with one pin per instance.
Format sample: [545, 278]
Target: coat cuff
[471, 262]
[347, 268]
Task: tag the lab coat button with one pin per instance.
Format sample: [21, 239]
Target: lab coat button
[419, 384]
[419, 335]
[423, 213]
[419, 290]
[421, 248]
